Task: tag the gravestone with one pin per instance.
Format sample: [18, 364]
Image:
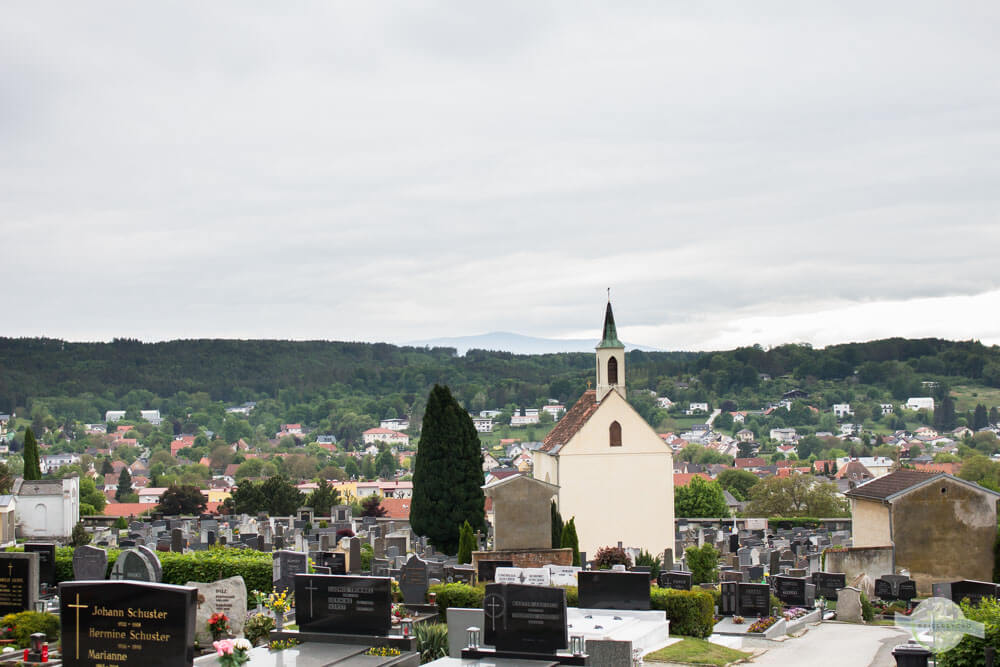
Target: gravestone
[744, 556]
[46, 561]
[907, 590]
[177, 540]
[828, 583]
[849, 605]
[675, 579]
[486, 569]
[457, 575]
[604, 589]
[887, 587]
[133, 566]
[380, 568]
[354, 559]
[756, 572]
[285, 565]
[754, 599]
[127, 623]
[957, 591]
[18, 582]
[227, 596]
[774, 562]
[729, 599]
[90, 563]
[343, 604]
[793, 591]
[526, 619]
[562, 575]
[413, 581]
[734, 543]
[154, 560]
[509, 575]
[335, 560]
[397, 542]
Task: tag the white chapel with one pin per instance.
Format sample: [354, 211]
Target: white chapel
[614, 473]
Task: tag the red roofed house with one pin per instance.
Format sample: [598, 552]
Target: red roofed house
[755, 462]
[603, 451]
[373, 435]
[684, 478]
[396, 508]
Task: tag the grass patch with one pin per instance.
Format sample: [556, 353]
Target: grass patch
[698, 652]
[967, 397]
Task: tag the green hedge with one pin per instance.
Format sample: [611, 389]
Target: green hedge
[690, 613]
[26, 623]
[256, 567]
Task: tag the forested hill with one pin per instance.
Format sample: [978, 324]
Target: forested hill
[240, 370]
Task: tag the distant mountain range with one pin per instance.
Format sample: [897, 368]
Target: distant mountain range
[505, 341]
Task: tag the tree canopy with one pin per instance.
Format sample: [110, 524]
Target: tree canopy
[796, 495]
[700, 498]
[182, 500]
[447, 474]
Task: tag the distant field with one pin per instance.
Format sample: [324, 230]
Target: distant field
[966, 397]
[680, 424]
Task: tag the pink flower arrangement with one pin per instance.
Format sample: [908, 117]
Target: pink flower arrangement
[232, 652]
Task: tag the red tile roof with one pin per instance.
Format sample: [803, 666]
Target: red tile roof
[755, 462]
[396, 508]
[684, 478]
[572, 421]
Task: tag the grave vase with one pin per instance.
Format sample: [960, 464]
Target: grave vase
[279, 620]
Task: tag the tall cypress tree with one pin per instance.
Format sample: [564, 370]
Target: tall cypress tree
[32, 464]
[570, 540]
[557, 526]
[447, 474]
[124, 484]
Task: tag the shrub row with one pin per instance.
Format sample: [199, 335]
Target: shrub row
[255, 567]
[690, 613]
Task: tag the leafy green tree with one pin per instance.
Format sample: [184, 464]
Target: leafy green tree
[385, 464]
[980, 418]
[106, 467]
[448, 473]
[703, 562]
[179, 499]
[981, 470]
[466, 543]
[124, 484]
[557, 525]
[79, 536]
[700, 498]
[323, 498]
[372, 506]
[282, 496]
[570, 540]
[91, 496]
[737, 482]
[6, 479]
[32, 464]
[797, 495]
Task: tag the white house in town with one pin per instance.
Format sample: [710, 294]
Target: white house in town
[373, 435]
[483, 424]
[524, 417]
[47, 507]
[920, 403]
[841, 410]
[395, 424]
[601, 452]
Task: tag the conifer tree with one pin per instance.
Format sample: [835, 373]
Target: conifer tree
[466, 543]
[447, 474]
[124, 484]
[570, 540]
[32, 464]
[557, 526]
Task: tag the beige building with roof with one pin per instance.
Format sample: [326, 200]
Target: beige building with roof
[614, 473]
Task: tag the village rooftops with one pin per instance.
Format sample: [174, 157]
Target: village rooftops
[887, 487]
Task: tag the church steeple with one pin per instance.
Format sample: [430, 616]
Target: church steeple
[610, 359]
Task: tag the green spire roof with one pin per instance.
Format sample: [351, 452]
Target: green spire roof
[610, 338]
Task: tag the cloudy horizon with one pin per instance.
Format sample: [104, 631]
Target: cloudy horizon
[738, 175]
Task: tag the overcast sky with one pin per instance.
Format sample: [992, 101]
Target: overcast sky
[737, 173]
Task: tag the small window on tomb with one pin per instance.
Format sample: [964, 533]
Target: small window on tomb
[615, 434]
[612, 370]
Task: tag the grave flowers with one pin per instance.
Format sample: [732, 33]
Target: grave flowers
[218, 625]
[279, 604]
[762, 624]
[399, 612]
[232, 652]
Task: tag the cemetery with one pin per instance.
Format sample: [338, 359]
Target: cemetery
[223, 589]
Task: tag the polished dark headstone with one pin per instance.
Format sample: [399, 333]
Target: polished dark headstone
[606, 589]
[487, 569]
[754, 599]
[525, 619]
[18, 582]
[127, 623]
[90, 563]
[729, 599]
[675, 579]
[828, 583]
[957, 591]
[342, 604]
[46, 561]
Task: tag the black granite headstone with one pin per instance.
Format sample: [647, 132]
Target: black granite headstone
[335, 560]
[791, 590]
[285, 565]
[606, 589]
[884, 590]
[966, 588]
[18, 582]
[46, 561]
[527, 619]
[734, 543]
[487, 569]
[828, 583]
[754, 599]
[907, 590]
[675, 579]
[343, 604]
[127, 623]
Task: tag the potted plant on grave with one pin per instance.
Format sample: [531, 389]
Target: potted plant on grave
[218, 625]
[279, 604]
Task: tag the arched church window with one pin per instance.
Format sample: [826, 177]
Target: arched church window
[612, 370]
[615, 434]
